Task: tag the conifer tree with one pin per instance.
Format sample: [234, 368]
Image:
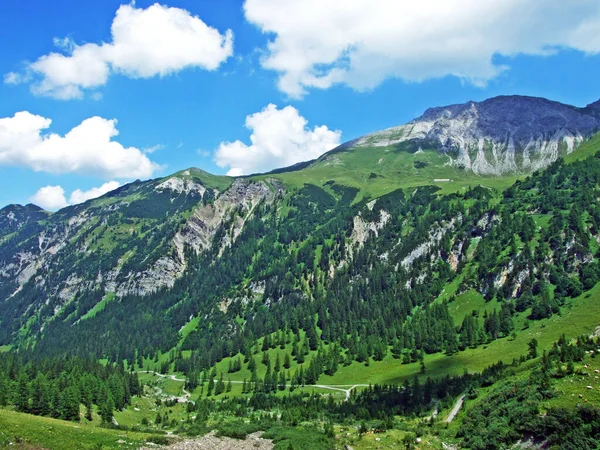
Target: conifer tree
[22, 397]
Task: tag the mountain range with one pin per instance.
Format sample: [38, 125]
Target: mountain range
[132, 241]
[473, 226]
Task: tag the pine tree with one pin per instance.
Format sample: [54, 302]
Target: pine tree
[266, 343]
[220, 386]
[55, 401]
[532, 346]
[282, 381]
[266, 360]
[22, 397]
[252, 364]
[106, 409]
[3, 391]
[69, 404]
[40, 403]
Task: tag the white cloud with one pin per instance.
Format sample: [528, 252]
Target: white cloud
[152, 149]
[50, 198]
[79, 196]
[147, 42]
[319, 43]
[14, 78]
[279, 138]
[86, 149]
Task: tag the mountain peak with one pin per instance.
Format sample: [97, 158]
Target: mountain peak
[504, 134]
[14, 217]
[15, 207]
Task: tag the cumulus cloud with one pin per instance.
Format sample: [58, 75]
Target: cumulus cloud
[279, 138]
[14, 78]
[87, 149]
[152, 149]
[319, 43]
[52, 198]
[158, 40]
[79, 196]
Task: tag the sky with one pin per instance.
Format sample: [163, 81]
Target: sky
[95, 94]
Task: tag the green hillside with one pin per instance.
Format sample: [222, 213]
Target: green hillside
[358, 293]
[377, 171]
[24, 431]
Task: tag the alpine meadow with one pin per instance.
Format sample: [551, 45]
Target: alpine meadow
[433, 285]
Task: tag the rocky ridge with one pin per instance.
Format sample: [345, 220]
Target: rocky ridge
[507, 134]
[39, 256]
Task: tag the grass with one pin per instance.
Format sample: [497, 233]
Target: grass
[390, 439]
[187, 329]
[570, 388]
[98, 307]
[151, 365]
[585, 150]
[165, 384]
[107, 238]
[208, 180]
[379, 170]
[32, 432]
[579, 316]
[468, 302]
[298, 437]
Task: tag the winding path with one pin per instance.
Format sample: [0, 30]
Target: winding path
[185, 398]
[456, 408]
[334, 387]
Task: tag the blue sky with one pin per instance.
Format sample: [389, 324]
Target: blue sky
[330, 74]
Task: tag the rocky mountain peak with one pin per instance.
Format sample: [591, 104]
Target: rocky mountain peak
[505, 134]
[519, 117]
[14, 217]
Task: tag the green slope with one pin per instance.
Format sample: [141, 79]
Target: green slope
[24, 431]
[376, 171]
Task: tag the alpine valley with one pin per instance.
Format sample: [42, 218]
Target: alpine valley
[432, 285]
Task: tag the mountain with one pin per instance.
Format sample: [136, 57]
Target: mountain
[14, 217]
[384, 261]
[500, 135]
[141, 238]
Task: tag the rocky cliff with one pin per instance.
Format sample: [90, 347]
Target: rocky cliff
[508, 134]
[131, 242]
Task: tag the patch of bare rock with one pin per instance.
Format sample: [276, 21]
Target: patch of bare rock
[211, 441]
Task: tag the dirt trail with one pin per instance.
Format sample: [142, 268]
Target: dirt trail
[185, 398]
[338, 388]
[333, 387]
[455, 410]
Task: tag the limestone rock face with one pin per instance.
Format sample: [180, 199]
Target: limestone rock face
[199, 232]
[509, 134]
[98, 241]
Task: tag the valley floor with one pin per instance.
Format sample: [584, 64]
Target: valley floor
[578, 316]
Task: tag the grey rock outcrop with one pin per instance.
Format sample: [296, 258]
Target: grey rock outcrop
[507, 134]
[38, 256]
